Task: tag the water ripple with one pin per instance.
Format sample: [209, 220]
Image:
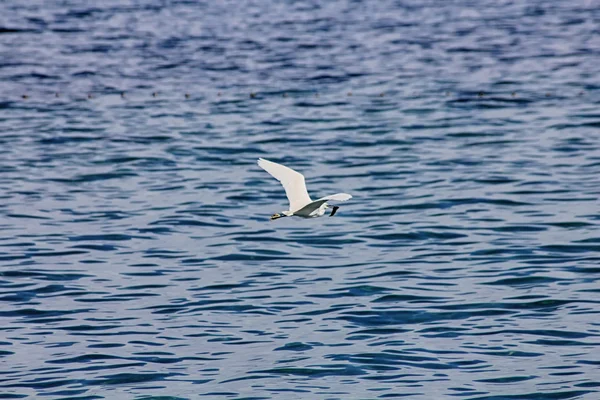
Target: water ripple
[137, 259]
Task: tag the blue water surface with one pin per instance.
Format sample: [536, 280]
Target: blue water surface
[137, 259]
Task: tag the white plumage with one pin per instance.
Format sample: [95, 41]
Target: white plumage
[301, 204]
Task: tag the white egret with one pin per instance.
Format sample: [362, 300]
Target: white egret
[300, 203]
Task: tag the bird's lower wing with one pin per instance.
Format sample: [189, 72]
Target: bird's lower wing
[292, 181]
[309, 208]
[337, 197]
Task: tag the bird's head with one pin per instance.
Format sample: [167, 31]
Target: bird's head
[281, 215]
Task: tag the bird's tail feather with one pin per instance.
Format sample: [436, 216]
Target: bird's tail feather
[337, 197]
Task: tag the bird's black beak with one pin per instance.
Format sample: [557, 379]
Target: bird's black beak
[275, 216]
[333, 211]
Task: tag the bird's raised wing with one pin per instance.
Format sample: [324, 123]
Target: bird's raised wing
[292, 181]
[337, 197]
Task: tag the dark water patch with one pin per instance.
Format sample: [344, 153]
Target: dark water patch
[129, 378]
[535, 396]
[5, 30]
[413, 236]
[188, 307]
[189, 222]
[384, 318]
[105, 345]
[525, 281]
[296, 346]
[549, 342]
[391, 274]
[57, 253]
[93, 177]
[101, 247]
[106, 237]
[251, 257]
[572, 225]
[559, 248]
[352, 292]
[408, 298]
[512, 353]
[42, 275]
[65, 140]
[519, 228]
[321, 371]
[548, 304]
[27, 216]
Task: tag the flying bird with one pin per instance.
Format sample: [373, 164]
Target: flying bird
[301, 204]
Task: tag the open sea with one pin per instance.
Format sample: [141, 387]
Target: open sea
[137, 258]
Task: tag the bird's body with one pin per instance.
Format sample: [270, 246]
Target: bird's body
[301, 204]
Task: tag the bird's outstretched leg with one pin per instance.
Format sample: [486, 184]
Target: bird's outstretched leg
[333, 210]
